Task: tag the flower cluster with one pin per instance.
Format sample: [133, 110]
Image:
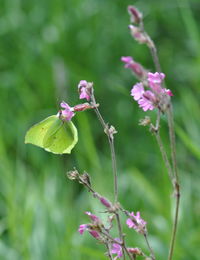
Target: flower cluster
[117, 249]
[85, 90]
[93, 228]
[156, 97]
[136, 222]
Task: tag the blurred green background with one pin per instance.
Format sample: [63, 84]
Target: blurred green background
[46, 48]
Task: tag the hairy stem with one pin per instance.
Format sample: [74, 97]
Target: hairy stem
[114, 165]
[164, 156]
[109, 254]
[176, 181]
[149, 247]
[173, 174]
[172, 140]
[154, 55]
[112, 147]
[175, 224]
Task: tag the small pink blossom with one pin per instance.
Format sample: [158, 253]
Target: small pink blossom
[84, 89]
[138, 34]
[128, 60]
[116, 249]
[134, 66]
[134, 250]
[168, 92]
[105, 202]
[92, 216]
[137, 91]
[146, 102]
[67, 113]
[94, 233]
[136, 222]
[82, 228]
[155, 81]
[136, 16]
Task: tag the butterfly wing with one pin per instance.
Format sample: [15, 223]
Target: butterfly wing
[63, 140]
[36, 133]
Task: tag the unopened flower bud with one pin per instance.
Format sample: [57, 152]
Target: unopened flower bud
[136, 68]
[94, 233]
[82, 107]
[105, 202]
[134, 251]
[136, 16]
[138, 35]
[93, 217]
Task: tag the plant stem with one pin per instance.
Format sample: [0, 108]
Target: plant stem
[172, 140]
[175, 224]
[154, 55]
[176, 181]
[114, 165]
[109, 254]
[164, 156]
[173, 174]
[112, 147]
[149, 247]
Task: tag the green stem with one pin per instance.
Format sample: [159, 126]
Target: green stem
[176, 181]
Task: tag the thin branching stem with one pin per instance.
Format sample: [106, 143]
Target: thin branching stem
[149, 247]
[172, 173]
[175, 225]
[112, 147]
[176, 182]
[109, 254]
[114, 165]
[172, 140]
[164, 156]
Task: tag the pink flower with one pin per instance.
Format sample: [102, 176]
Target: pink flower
[92, 216]
[155, 81]
[146, 102]
[136, 222]
[84, 89]
[136, 16]
[82, 228]
[105, 202]
[168, 92]
[134, 250]
[138, 34]
[94, 233]
[137, 91]
[134, 66]
[128, 60]
[67, 113]
[116, 249]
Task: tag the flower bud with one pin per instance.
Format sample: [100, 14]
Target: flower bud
[82, 107]
[138, 35]
[136, 16]
[105, 202]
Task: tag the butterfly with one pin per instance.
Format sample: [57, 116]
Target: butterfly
[54, 135]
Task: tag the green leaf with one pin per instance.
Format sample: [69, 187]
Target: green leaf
[54, 135]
